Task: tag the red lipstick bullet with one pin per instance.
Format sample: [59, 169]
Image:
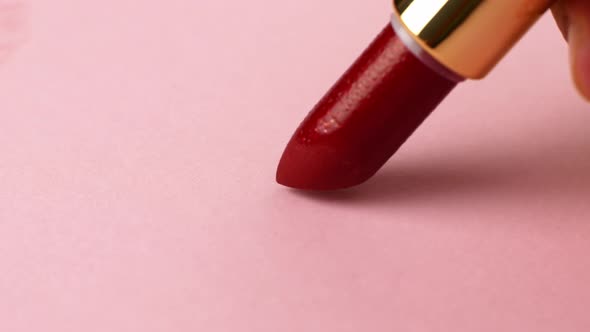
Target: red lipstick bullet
[412, 65]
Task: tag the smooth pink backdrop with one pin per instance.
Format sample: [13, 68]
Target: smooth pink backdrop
[138, 146]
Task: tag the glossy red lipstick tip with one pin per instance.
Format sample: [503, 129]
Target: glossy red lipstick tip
[364, 119]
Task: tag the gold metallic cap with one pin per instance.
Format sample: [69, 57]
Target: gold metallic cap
[469, 37]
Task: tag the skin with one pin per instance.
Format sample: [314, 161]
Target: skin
[573, 19]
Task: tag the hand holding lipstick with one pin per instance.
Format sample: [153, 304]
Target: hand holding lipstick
[573, 18]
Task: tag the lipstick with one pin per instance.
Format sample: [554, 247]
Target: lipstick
[413, 64]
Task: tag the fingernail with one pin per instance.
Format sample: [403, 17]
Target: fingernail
[579, 39]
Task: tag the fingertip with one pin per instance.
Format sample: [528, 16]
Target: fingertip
[581, 73]
[579, 40]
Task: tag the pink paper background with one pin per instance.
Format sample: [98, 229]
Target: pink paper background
[138, 146]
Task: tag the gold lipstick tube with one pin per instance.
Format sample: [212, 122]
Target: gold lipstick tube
[467, 37]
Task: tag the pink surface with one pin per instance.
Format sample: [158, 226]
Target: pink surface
[139, 144]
